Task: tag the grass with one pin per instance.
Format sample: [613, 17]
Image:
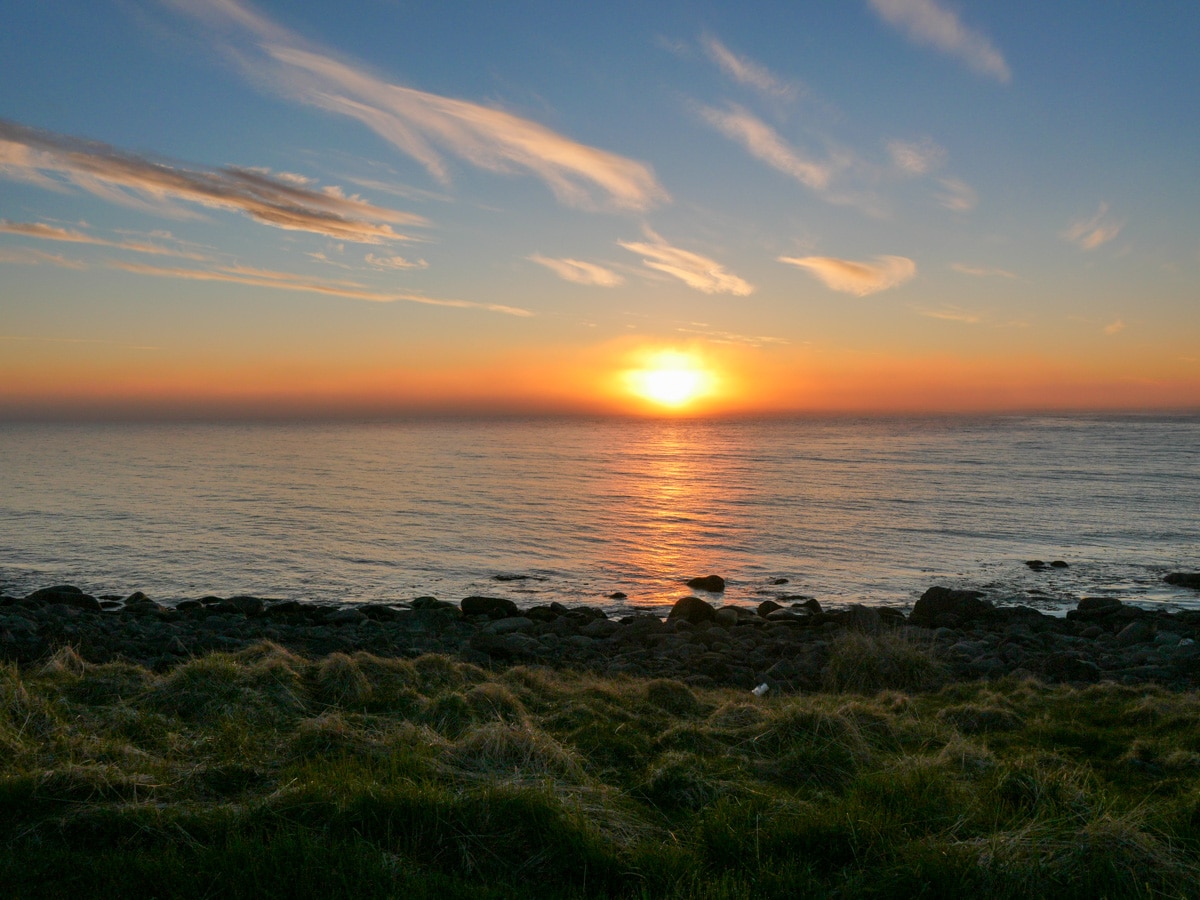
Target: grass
[263, 773]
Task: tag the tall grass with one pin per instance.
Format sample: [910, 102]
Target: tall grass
[263, 773]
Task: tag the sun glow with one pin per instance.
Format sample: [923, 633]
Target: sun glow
[670, 379]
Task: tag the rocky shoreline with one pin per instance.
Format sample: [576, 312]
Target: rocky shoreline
[785, 647]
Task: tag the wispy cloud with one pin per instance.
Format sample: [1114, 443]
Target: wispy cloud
[1088, 234]
[394, 263]
[763, 142]
[718, 336]
[122, 177]
[926, 22]
[859, 278]
[958, 196]
[951, 313]
[425, 126]
[578, 271]
[692, 269]
[291, 282]
[42, 231]
[916, 157]
[981, 271]
[1114, 327]
[30, 257]
[749, 73]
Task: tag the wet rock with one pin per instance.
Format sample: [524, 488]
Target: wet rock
[807, 603]
[1059, 564]
[599, 628]
[492, 607]
[247, 606]
[780, 581]
[692, 609]
[1091, 609]
[511, 577]
[1184, 579]
[506, 646]
[714, 584]
[617, 595]
[346, 617]
[64, 595]
[940, 606]
[1036, 564]
[767, 607]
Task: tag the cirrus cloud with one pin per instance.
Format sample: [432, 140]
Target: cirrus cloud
[696, 271]
[578, 271]
[925, 22]
[55, 160]
[1090, 233]
[857, 277]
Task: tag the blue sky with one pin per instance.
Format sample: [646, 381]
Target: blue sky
[893, 204]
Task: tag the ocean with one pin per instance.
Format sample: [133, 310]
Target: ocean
[847, 510]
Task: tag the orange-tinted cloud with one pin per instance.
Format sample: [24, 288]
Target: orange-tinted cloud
[696, 271]
[46, 232]
[854, 277]
[925, 22]
[121, 177]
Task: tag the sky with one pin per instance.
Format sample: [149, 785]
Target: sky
[378, 207]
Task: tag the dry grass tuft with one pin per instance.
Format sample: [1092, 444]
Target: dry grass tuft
[895, 659]
[513, 752]
[340, 682]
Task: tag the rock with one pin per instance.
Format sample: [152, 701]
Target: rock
[726, 615]
[767, 607]
[133, 598]
[617, 595]
[1134, 633]
[1036, 564]
[511, 577]
[1092, 609]
[247, 606]
[509, 625]
[1059, 564]
[810, 604]
[433, 604]
[692, 609]
[599, 628]
[714, 584]
[64, 595]
[189, 605]
[1184, 579]
[506, 646]
[1066, 667]
[941, 606]
[349, 616]
[863, 618]
[492, 607]
[780, 581]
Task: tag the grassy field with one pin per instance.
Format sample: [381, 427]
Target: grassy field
[265, 774]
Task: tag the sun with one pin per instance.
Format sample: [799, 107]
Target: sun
[670, 379]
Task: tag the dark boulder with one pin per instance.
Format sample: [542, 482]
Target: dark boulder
[1063, 666]
[1036, 564]
[692, 609]
[780, 581]
[64, 595]
[1059, 564]
[767, 607]
[617, 595]
[1184, 579]
[714, 584]
[1090, 609]
[940, 606]
[810, 604]
[247, 606]
[492, 607]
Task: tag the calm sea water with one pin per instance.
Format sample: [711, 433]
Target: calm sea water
[871, 510]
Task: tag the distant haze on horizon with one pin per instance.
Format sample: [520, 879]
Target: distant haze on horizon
[221, 208]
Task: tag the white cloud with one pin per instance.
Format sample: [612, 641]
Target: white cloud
[981, 271]
[958, 196]
[762, 141]
[692, 269]
[749, 73]
[394, 263]
[28, 257]
[925, 22]
[1114, 327]
[854, 277]
[579, 272]
[121, 177]
[916, 157]
[425, 125]
[1088, 234]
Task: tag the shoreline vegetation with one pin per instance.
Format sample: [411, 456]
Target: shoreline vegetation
[236, 747]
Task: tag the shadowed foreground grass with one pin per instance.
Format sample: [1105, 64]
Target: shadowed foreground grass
[265, 774]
